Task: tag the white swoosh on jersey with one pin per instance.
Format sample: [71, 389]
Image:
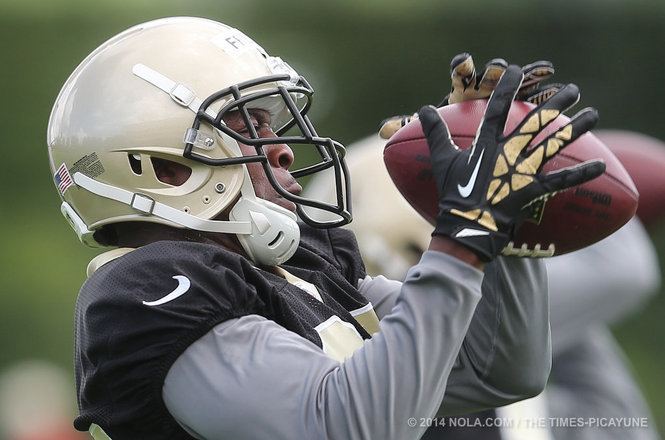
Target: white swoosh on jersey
[465, 190]
[183, 287]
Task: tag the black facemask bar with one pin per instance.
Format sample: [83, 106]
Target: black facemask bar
[330, 151]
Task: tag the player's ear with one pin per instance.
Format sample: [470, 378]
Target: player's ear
[172, 173]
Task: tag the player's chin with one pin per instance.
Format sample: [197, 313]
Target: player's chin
[294, 189]
[286, 204]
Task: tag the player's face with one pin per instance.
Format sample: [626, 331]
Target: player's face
[280, 158]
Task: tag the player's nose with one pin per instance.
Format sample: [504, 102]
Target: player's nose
[279, 155]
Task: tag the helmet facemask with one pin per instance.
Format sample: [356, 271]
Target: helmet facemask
[288, 99]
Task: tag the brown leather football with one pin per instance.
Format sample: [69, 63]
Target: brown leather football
[565, 222]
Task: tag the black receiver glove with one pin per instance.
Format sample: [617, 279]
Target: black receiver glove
[482, 190]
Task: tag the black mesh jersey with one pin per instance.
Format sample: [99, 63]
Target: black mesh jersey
[124, 348]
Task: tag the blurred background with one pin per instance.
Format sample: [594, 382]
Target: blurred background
[367, 60]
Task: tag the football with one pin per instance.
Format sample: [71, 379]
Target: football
[644, 158]
[565, 222]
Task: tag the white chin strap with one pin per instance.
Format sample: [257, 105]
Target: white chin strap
[267, 232]
[275, 234]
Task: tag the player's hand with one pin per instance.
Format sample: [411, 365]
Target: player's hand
[483, 189]
[467, 84]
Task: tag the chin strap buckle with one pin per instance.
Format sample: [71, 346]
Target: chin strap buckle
[182, 95]
[142, 203]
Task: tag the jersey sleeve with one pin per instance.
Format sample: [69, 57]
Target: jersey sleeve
[226, 382]
[145, 309]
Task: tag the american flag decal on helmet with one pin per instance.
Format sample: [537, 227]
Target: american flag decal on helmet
[63, 180]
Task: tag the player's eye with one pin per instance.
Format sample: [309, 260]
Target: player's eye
[261, 123]
[245, 129]
[259, 120]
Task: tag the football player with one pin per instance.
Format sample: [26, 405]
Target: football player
[228, 308]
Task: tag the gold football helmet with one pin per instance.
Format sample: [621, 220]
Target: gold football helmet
[160, 90]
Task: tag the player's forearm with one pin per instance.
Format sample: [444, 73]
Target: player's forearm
[506, 354]
[412, 355]
[448, 246]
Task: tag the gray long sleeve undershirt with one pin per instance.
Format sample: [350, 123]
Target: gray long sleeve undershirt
[506, 353]
[251, 378]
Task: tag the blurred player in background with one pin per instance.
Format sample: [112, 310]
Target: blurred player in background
[36, 403]
[589, 289]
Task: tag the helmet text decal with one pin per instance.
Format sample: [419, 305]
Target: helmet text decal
[89, 165]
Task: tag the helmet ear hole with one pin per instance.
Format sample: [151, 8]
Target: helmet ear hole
[169, 172]
[135, 163]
